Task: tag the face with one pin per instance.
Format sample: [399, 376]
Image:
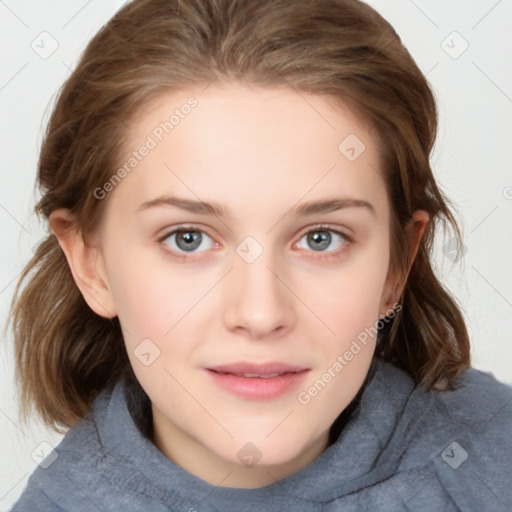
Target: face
[253, 229]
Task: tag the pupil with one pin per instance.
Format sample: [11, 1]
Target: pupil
[321, 240]
[188, 240]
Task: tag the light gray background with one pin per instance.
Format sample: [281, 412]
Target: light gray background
[472, 161]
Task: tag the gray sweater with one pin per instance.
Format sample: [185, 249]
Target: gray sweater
[402, 449]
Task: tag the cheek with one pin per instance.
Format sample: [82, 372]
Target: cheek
[152, 307]
[347, 297]
[157, 299]
[350, 307]
[142, 293]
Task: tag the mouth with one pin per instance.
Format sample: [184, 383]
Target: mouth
[250, 370]
[255, 375]
[257, 381]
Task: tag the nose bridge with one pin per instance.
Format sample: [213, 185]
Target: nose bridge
[259, 301]
[259, 277]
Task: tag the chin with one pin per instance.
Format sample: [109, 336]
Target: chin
[275, 450]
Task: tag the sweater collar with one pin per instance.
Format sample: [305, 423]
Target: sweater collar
[366, 452]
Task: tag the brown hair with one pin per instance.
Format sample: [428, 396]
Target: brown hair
[65, 353]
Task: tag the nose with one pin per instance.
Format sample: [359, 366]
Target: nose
[259, 302]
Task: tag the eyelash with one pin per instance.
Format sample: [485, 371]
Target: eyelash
[323, 255]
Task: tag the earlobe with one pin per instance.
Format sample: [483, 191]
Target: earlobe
[85, 263]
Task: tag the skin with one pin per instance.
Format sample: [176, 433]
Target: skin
[259, 153]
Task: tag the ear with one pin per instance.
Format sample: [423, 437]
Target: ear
[85, 262]
[396, 284]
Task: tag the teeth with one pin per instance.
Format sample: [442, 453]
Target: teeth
[253, 375]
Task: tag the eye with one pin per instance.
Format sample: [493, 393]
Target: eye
[187, 240]
[321, 238]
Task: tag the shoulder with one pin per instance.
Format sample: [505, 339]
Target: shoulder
[480, 402]
[465, 435]
[74, 462]
[34, 499]
[96, 465]
[477, 462]
[75, 456]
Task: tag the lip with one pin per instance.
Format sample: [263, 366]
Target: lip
[256, 387]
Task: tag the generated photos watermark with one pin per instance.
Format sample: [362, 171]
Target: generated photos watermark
[156, 136]
[305, 396]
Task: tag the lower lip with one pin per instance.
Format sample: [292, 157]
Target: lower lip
[256, 388]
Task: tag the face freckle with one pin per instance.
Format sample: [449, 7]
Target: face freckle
[244, 177]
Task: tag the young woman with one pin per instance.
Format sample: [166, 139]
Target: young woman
[236, 308]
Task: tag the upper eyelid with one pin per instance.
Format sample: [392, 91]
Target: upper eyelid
[169, 232]
[323, 227]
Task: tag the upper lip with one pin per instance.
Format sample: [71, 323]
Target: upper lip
[258, 369]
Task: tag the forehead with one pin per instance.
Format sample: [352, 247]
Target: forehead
[245, 146]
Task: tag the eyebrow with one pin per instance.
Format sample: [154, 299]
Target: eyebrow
[212, 208]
